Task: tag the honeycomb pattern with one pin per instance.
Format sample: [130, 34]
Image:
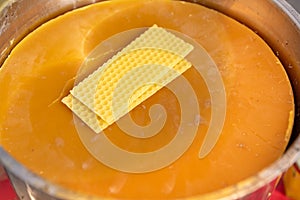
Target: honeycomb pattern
[158, 38]
[97, 124]
[181, 67]
[85, 114]
[156, 58]
[100, 99]
[154, 38]
[122, 103]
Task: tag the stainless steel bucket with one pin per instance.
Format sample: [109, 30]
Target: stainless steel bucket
[274, 20]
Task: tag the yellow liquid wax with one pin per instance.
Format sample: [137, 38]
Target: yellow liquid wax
[39, 131]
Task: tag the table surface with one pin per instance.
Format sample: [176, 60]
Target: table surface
[295, 4]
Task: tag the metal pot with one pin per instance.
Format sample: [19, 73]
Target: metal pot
[274, 20]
